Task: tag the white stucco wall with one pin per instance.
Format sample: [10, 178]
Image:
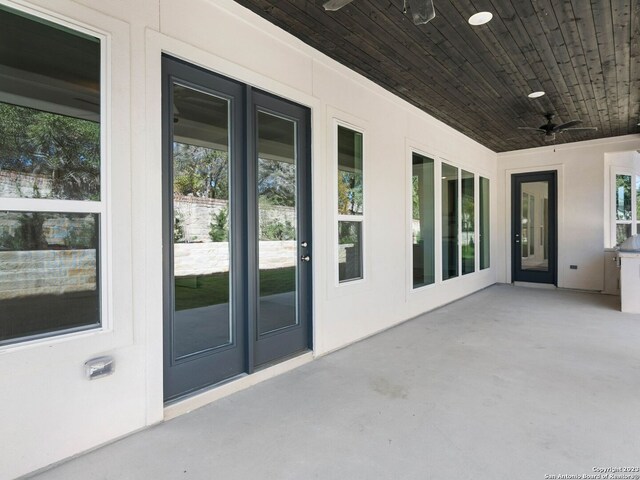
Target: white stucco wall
[583, 204]
[48, 410]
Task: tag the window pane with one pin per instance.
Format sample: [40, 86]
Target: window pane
[49, 110]
[449, 221]
[638, 197]
[468, 223]
[485, 229]
[423, 221]
[623, 197]
[201, 255]
[349, 172]
[623, 231]
[277, 249]
[349, 251]
[48, 272]
[535, 226]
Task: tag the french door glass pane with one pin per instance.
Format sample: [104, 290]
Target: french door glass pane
[449, 221]
[201, 256]
[423, 220]
[484, 224]
[468, 223]
[534, 221]
[277, 214]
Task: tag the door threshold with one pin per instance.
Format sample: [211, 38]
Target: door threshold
[241, 382]
[545, 286]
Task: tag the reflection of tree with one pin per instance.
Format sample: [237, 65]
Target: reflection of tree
[623, 208]
[277, 182]
[349, 193]
[199, 171]
[219, 226]
[64, 149]
[415, 183]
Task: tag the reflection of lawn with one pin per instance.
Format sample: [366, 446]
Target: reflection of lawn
[203, 290]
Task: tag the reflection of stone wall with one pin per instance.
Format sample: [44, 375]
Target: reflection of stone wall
[206, 258]
[195, 214]
[55, 230]
[18, 185]
[44, 272]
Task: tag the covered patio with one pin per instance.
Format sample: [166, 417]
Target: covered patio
[509, 382]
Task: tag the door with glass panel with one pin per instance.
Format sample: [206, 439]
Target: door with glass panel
[279, 269]
[236, 229]
[534, 227]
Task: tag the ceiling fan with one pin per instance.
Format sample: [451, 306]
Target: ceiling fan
[550, 129]
[422, 11]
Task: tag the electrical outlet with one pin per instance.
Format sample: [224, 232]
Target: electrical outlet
[573, 267]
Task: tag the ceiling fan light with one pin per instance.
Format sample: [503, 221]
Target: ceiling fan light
[537, 94]
[480, 18]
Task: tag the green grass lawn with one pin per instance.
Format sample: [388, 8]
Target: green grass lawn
[204, 290]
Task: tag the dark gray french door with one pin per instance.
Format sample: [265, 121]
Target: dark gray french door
[534, 227]
[237, 228]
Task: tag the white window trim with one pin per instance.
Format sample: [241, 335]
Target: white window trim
[100, 207]
[349, 218]
[635, 176]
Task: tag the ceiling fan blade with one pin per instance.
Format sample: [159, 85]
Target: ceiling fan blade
[578, 128]
[334, 5]
[564, 126]
[532, 129]
[422, 11]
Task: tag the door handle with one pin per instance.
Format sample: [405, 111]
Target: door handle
[304, 244]
[305, 258]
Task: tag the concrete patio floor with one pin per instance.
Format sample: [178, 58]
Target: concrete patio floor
[509, 383]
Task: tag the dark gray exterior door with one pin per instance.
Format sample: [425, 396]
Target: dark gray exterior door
[534, 227]
[237, 228]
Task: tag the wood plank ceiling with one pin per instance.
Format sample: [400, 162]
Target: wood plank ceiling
[585, 54]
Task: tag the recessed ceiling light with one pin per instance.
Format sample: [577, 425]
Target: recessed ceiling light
[480, 18]
[536, 94]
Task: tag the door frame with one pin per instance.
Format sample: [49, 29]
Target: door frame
[515, 232]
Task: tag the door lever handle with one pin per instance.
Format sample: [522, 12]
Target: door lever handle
[305, 258]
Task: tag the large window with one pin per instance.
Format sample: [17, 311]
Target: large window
[51, 187]
[423, 220]
[485, 229]
[468, 223]
[626, 202]
[350, 204]
[449, 221]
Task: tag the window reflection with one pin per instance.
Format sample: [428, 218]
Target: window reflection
[423, 220]
[485, 239]
[48, 272]
[449, 221]
[535, 226]
[468, 221]
[277, 248]
[201, 254]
